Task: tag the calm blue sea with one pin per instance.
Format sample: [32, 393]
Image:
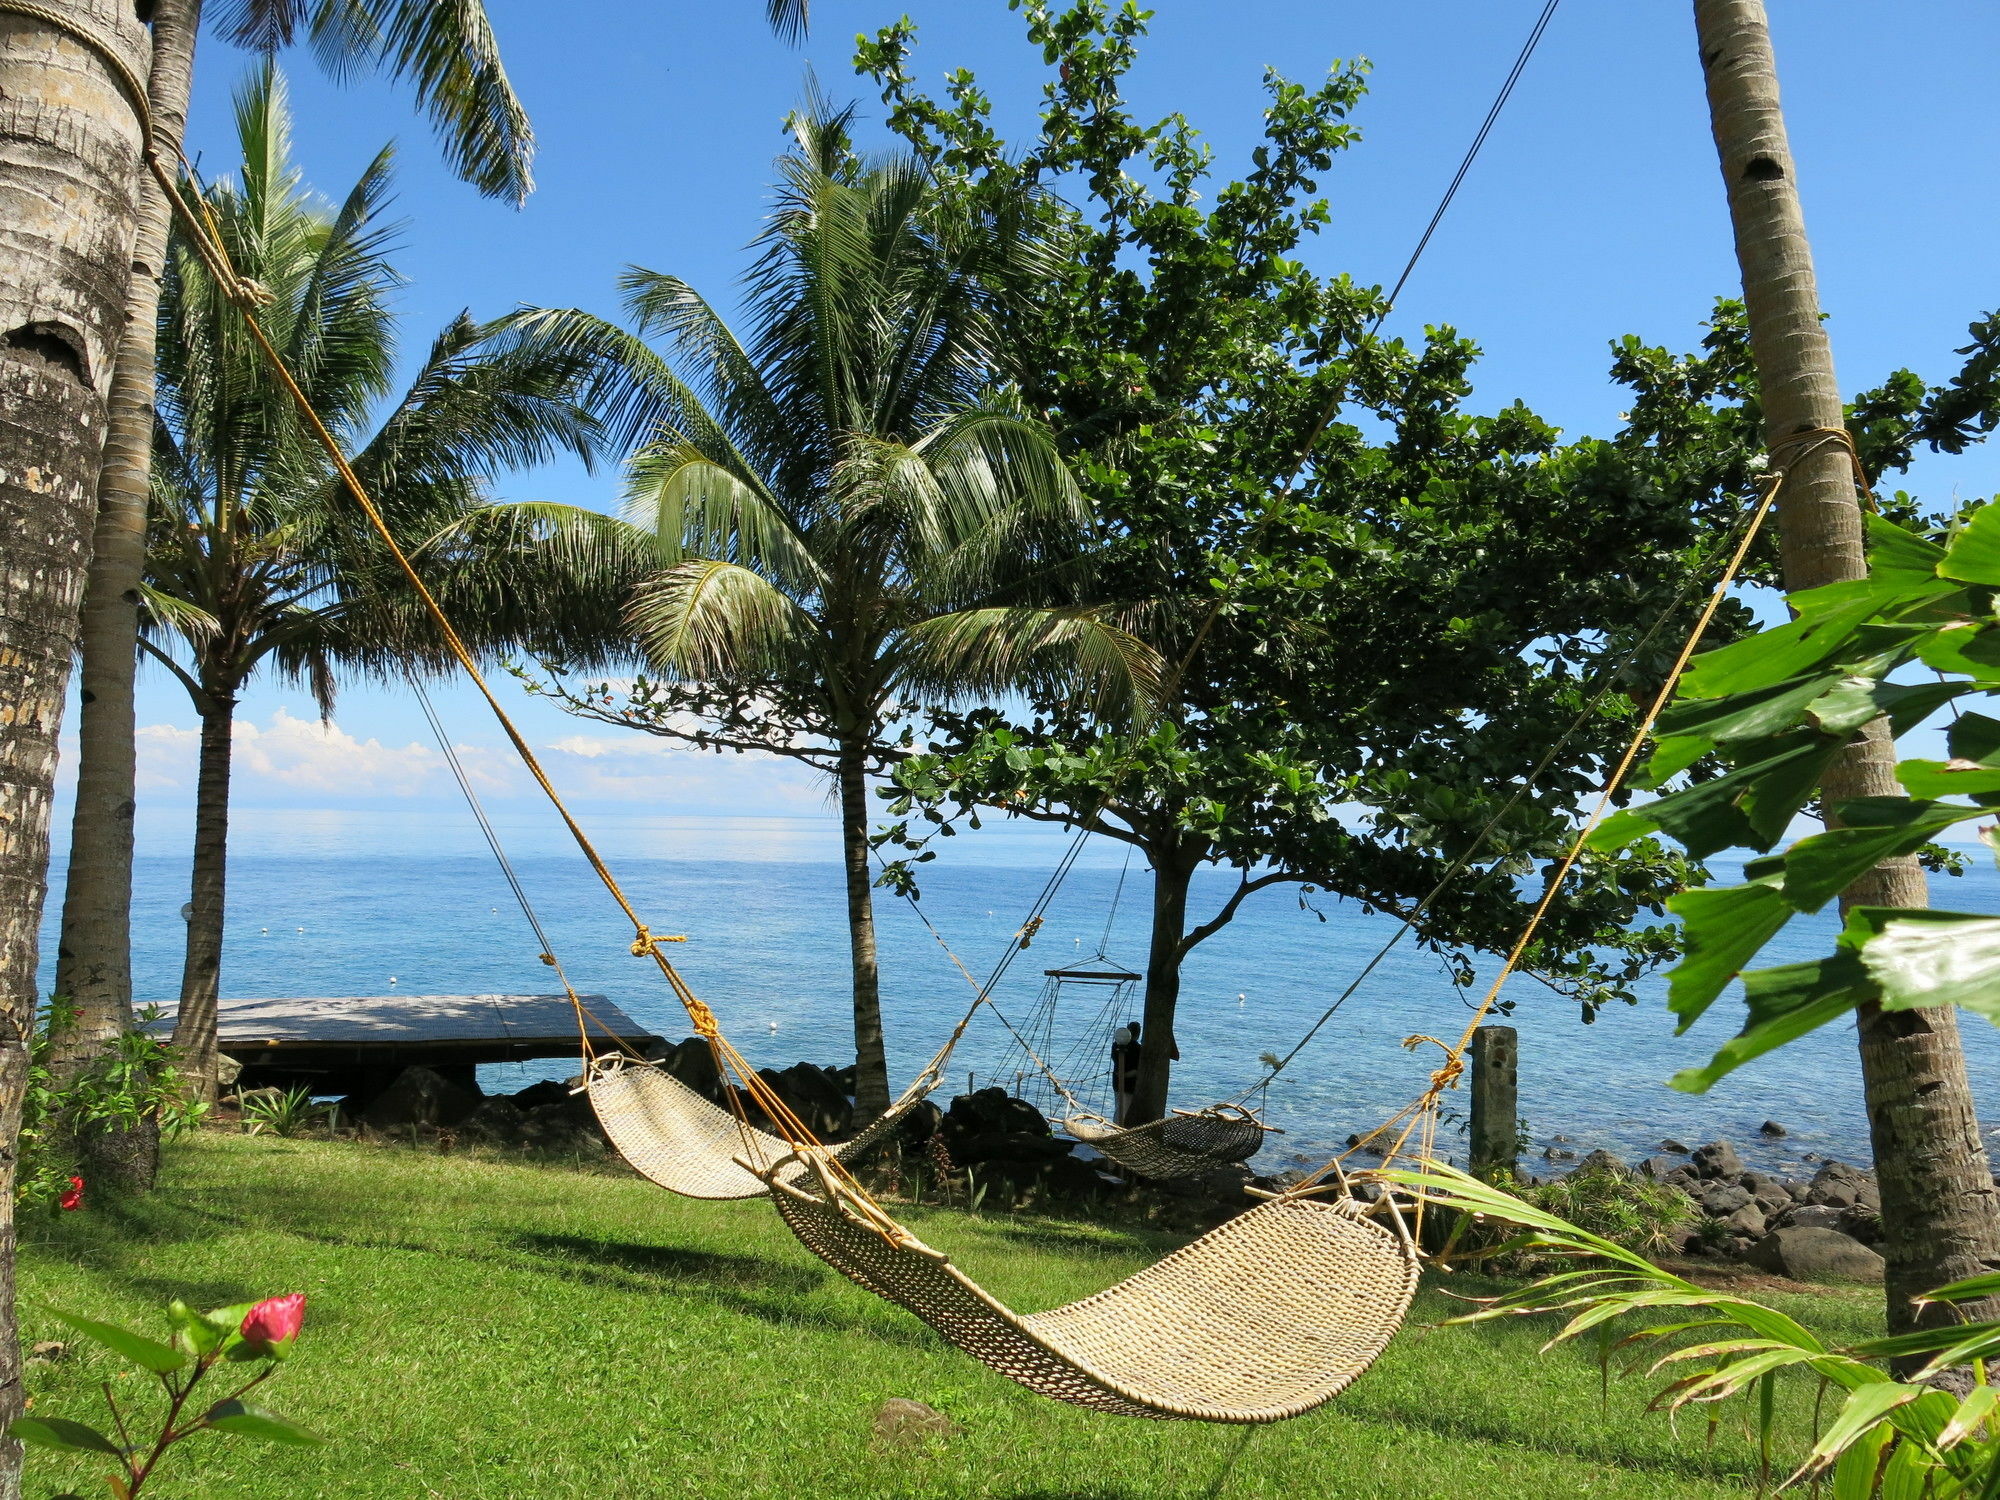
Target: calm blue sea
[339, 903]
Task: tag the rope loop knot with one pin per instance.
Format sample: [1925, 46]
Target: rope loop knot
[1448, 1072]
[701, 1018]
[1028, 930]
[647, 943]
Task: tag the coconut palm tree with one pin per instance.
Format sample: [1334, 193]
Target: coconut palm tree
[256, 554]
[855, 515]
[450, 56]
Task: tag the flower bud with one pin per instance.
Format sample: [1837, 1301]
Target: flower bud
[272, 1324]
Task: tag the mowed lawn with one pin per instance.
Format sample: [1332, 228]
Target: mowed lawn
[492, 1330]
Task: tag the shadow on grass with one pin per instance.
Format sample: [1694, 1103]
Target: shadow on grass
[674, 1264]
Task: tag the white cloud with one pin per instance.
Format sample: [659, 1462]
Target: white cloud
[298, 761]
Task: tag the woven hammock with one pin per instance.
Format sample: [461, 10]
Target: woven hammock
[1276, 1312]
[1184, 1144]
[674, 1136]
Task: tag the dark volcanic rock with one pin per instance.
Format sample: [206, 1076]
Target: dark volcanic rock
[418, 1097]
[1816, 1255]
[1718, 1161]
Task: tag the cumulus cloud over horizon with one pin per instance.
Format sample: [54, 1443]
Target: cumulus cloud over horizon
[288, 759]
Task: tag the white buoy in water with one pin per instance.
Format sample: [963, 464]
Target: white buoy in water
[772, 1024]
[301, 929]
[1239, 999]
[392, 979]
[265, 930]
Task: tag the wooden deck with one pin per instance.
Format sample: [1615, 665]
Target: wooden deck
[357, 1043]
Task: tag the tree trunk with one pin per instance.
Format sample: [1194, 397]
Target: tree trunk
[94, 953]
[69, 155]
[1938, 1198]
[1173, 872]
[871, 1062]
[201, 973]
[93, 960]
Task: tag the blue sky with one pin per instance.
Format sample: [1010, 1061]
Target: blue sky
[1595, 211]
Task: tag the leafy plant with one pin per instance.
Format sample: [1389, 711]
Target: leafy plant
[1899, 1440]
[131, 1082]
[1635, 1212]
[285, 1112]
[1763, 718]
[252, 1336]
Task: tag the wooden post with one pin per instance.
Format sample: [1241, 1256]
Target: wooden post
[1496, 1052]
[1938, 1198]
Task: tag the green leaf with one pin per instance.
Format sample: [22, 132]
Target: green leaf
[1965, 1291]
[1863, 1412]
[148, 1353]
[1755, 715]
[1919, 958]
[253, 1421]
[1784, 1004]
[1933, 779]
[1671, 756]
[1972, 650]
[1901, 558]
[1784, 651]
[1722, 929]
[59, 1432]
[1974, 554]
[1751, 805]
[1854, 1475]
[1908, 1474]
[1854, 701]
[1819, 868]
[193, 1332]
[1974, 736]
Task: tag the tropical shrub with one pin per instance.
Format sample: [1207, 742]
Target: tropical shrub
[130, 1084]
[1873, 1436]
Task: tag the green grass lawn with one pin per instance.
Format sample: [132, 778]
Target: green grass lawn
[490, 1330]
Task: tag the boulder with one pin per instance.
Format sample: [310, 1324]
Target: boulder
[554, 1128]
[1223, 1186]
[1721, 1199]
[920, 1124]
[904, 1423]
[496, 1121]
[1837, 1185]
[1862, 1222]
[1014, 1146]
[992, 1111]
[1772, 1129]
[1808, 1216]
[535, 1095]
[1661, 1168]
[814, 1095]
[1717, 1161]
[1674, 1146]
[418, 1097]
[1604, 1162]
[1768, 1192]
[1747, 1221]
[1816, 1255]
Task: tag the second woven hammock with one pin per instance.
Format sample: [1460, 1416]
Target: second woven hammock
[1186, 1143]
[1274, 1313]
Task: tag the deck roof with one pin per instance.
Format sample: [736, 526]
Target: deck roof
[350, 1021]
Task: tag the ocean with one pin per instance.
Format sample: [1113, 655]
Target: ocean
[327, 903]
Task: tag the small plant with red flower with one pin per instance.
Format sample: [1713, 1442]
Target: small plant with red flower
[239, 1347]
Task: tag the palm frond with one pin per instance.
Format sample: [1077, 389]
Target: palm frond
[789, 18]
[698, 508]
[704, 619]
[1076, 653]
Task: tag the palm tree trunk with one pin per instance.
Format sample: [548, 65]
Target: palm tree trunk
[1938, 1197]
[201, 973]
[94, 953]
[69, 154]
[1172, 874]
[871, 1061]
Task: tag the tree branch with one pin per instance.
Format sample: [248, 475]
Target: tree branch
[1227, 913]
